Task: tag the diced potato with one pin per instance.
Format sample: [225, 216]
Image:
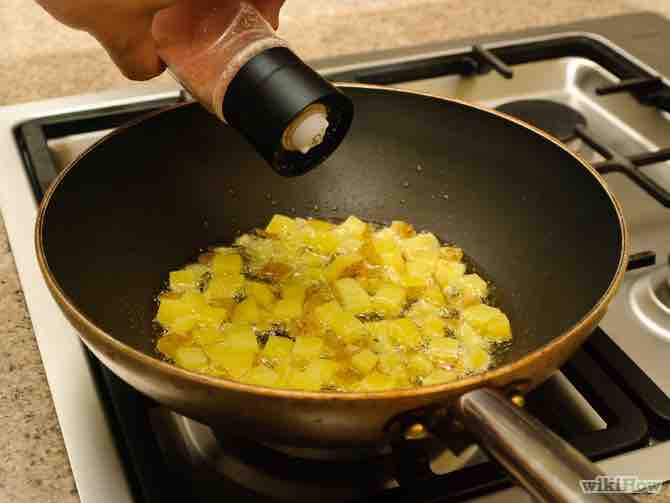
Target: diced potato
[352, 227]
[352, 296]
[277, 348]
[294, 290]
[262, 376]
[207, 336]
[226, 265]
[490, 321]
[344, 324]
[181, 314]
[170, 309]
[211, 316]
[349, 246]
[475, 359]
[422, 246]
[443, 349]
[402, 229]
[469, 337]
[451, 253]
[281, 225]
[422, 309]
[287, 309]
[340, 264]
[386, 252]
[320, 226]
[440, 376]
[261, 292]
[191, 358]
[433, 326]
[170, 343]
[184, 279]
[434, 295]
[307, 348]
[303, 380]
[448, 272]
[246, 311]
[240, 337]
[321, 371]
[236, 363]
[364, 361]
[224, 287]
[419, 364]
[418, 273]
[406, 333]
[389, 300]
[326, 243]
[375, 381]
[473, 289]
[184, 324]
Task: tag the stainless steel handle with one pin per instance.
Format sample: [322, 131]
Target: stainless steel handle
[545, 464]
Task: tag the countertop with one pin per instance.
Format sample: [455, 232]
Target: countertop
[42, 59]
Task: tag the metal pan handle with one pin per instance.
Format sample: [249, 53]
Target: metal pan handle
[545, 464]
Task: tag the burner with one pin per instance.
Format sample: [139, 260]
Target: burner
[557, 119]
[650, 300]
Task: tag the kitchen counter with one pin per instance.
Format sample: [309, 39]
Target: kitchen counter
[42, 59]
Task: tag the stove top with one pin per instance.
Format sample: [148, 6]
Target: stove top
[611, 400]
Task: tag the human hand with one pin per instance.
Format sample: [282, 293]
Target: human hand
[123, 28]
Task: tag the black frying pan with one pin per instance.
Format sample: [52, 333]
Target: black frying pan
[536, 220]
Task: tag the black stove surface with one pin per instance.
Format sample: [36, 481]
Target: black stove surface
[628, 402]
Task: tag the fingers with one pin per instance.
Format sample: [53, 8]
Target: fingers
[270, 10]
[132, 48]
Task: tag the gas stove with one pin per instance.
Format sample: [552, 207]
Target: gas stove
[598, 86]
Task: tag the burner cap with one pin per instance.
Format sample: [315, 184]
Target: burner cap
[555, 118]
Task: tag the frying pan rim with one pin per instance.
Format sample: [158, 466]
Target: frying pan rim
[479, 380]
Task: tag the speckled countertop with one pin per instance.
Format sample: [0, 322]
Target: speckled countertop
[42, 59]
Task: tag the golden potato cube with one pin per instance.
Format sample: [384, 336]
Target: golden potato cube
[294, 290]
[184, 324]
[184, 279]
[307, 348]
[240, 337]
[261, 292]
[340, 264]
[277, 348]
[321, 370]
[352, 227]
[262, 376]
[226, 265]
[207, 336]
[447, 272]
[469, 337]
[419, 364]
[222, 288]
[364, 361]
[211, 316]
[434, 295]
[406, 333]
[390, 363]
[236, 362]
[443, 349]
[422, 309]
[422, 246]
[402, 229]
[451, 253]
[475, 359]
[352, 296]
[381, 340]
[320, 226]
[246, 311]
[389, 300]
[344, 324]
[170, 309]
[170, 343]
[375, 381]
[440, 376]
[303, 380]
[281, 226]
[433, 326]
[287, 309]
[191, 358]
[473, 289]
[326, 243]
[490, 321]
[418, 273]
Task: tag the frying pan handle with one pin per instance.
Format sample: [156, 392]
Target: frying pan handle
[545, 464]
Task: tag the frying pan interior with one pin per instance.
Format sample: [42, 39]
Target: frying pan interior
[144, 201]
